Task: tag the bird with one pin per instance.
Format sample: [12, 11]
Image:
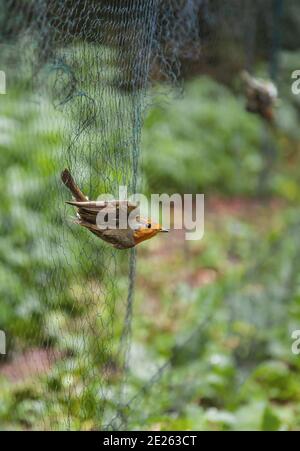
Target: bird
[102, 218]
[262, 96]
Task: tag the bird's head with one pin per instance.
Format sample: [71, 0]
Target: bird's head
[146, 229]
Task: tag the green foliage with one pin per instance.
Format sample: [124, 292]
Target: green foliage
[207, 142]
[220, 312]
[202, 142]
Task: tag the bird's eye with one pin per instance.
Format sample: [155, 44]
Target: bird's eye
[149, 226]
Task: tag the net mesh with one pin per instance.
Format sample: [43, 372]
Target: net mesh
[80, 71]
[85, 66]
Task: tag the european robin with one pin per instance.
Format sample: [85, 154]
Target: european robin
[88, 217]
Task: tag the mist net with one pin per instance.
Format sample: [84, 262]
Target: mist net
[77, 74]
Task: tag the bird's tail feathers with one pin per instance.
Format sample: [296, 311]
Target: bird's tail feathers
[70, 183]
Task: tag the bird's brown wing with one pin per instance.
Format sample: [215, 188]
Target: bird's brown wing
[97, 205]
[107, 225]
[111, 210]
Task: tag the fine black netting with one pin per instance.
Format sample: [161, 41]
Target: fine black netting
[78, 74]
[88, 63]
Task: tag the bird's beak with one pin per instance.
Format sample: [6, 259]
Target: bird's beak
[164, 230]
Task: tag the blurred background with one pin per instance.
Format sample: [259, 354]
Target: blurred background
[207, 343]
